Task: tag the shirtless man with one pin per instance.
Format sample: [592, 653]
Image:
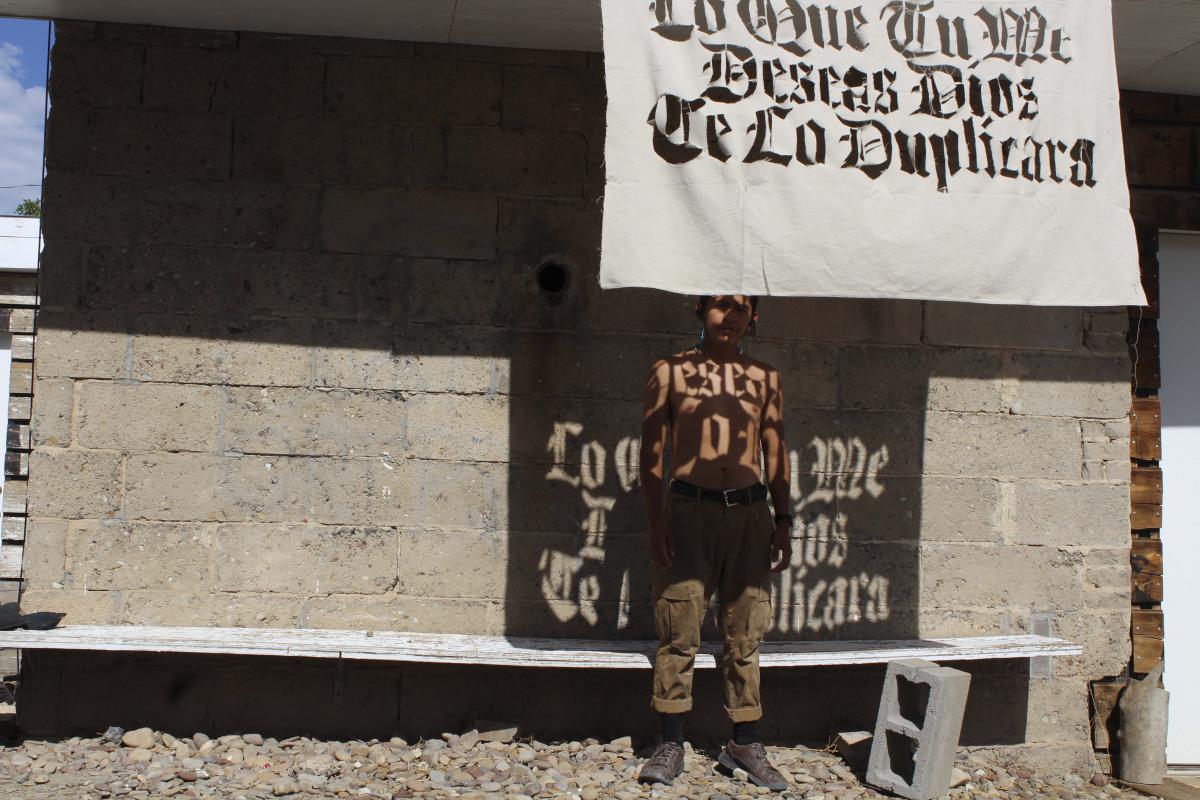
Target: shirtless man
[715, 532]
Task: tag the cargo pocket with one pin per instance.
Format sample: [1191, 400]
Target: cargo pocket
[678, 610]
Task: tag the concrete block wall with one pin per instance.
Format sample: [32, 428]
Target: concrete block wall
[295, 369]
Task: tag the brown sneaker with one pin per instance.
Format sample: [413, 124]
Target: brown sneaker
[664, 764]
[753, 759]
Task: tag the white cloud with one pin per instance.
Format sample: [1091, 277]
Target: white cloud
[22, 120]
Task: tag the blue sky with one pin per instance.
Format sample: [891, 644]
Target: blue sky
[22, 103]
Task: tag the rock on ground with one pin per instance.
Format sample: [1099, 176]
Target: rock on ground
[149, 764]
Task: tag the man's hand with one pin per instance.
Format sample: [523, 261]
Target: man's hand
[781, 546]
[660, 542]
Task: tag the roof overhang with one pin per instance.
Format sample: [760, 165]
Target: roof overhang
[1158, 41]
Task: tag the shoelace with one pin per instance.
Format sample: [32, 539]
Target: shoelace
[663, 757]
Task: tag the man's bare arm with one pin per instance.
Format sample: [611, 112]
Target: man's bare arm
[656, 399]
[779, 470]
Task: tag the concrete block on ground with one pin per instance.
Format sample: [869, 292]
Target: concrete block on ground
[917, 730]
[855, 748]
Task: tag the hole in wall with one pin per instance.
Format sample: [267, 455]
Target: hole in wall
[553, 277]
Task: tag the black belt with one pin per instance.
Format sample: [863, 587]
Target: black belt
[729, 497]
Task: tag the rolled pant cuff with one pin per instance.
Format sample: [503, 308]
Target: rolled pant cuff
[751, 714]
[670, 706]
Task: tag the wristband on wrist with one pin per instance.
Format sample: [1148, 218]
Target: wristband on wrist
[788, 518]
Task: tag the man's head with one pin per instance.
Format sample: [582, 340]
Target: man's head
[727, 317]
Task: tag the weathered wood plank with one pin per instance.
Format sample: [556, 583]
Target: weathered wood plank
[1104, 712]
[1146, 559]
[10, 559]
[22, 346]
[18, 289]
[15, 496]
[20, 379]
[21, 321]
[1146, 486]
[16, 464]
[12, 529]
[1145, 422]
[18, 435]
[1147, 629]
[502, 651]
[20, 408]
[1145, 516]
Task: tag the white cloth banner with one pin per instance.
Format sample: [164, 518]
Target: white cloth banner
[928, 149]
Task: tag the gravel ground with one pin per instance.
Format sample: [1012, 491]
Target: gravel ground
[148, 764]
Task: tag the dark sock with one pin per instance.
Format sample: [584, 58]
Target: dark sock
[672, 728]
[745, 733]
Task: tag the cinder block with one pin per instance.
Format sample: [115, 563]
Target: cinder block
[920, 378]
[832, 319]
[476, 559]
[96, 73]
[1066, 386]
[416, 91]
[1067, 515]
[182, 79]
[141, 555]
[328, 151]
[916, 733]
[305, 559]
[201, 486]
[400, 613]
[53, 404]
[315, 422]
[409, 222]
[1028, 327]
[43, 562]
[81, 346]
[168, 416]
[168, 349]
[412, 358]
[272, 82]
[158, 144]
[999, 446]
[459, 427]
[74, 484]
[553, 99]
[546, 163]
[67, 137]
[975, 575]
[215, 609]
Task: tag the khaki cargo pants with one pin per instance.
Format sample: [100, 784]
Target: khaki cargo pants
[726, 549]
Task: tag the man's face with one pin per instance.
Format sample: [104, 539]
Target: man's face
[727, 317]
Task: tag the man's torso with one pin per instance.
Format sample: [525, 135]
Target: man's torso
[716, 416]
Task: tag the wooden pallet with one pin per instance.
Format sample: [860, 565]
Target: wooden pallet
[509, 652]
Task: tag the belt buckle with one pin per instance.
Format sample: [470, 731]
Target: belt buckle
[725, 495]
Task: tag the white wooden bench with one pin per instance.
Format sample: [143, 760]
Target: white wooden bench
[508, 652]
